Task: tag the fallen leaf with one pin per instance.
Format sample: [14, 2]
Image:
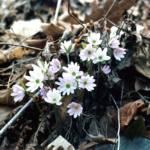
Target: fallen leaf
[142, 85]
[114, 14]
[26, 28]
[102, 139]
[143, 69]
[39, 43]
[4, 111]
[128, 111]
[148, 110]
[5, 97]
[63, 107]
[14, 53]
[60, 142]
[85, 145]
[142, 59]
[52, 30]
[3, 58]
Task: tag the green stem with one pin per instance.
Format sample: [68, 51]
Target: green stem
[68, 59]
[89, 65]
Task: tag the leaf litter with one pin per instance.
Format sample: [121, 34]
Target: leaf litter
[41, 126]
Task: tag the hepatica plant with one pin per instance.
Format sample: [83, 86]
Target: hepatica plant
[57, 79]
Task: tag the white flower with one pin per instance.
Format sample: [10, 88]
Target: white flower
[18, 93]
[101, 55]
[55, 65]
[35, 79]
[74, 109]
[87, 82]
[113, 32]
[88, 53]
[119, 53]
[73, 69]
[106, 69]
[53, 97]
[67, 84]
[67, 47]
[94, 38]
[43, 65]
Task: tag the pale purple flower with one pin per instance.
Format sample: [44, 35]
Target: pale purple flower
[67, 84]
[87, 82]
[119, 53]
[53, 97]
[67, 47]
[43, 91]
[88, 53]
[114, 42]
[55, 65]
[94, 38]
[35, 79]
[18, 93]
[73, 69]
[101, 56]
[74, 109]
[50, 75]
[106, 69]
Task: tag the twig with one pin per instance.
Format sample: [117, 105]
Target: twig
[57, 11]
[68, 132]
[8, 84]
[118, 132]
[14, 118]
[112, 5]
[30, 47]
[76, 19]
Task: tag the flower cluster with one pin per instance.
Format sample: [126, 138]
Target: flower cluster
[92, 51]
[73, 78]
[55, 80]
[114, 43]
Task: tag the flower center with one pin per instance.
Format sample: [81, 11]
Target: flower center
[68, 86]
[94, 41]
[76, 107]
[89, 52]
[37, 81]
[73, 73]
[85, 82]
[100, 57]
[54, 99]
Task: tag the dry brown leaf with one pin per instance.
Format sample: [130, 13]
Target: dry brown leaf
[128, 111]
[5, 97]
[4, 111]
[102, 139]
[85, 145]
[115, 13]
[3, 58]
[143, 69]
[141, 85]
[148, 110]
[17, 53]
[63, 107]
[53, 31]
[39, 43]
[13, 54]
[142, 57]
